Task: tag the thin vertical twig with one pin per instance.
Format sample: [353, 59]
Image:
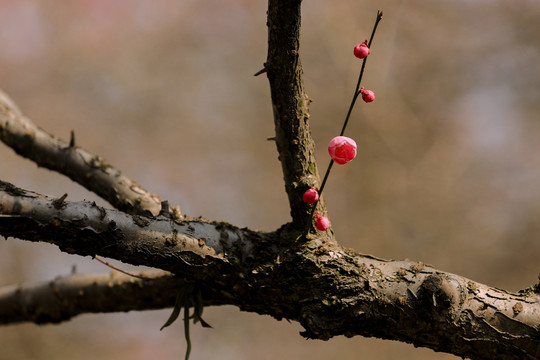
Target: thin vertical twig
[347, 117]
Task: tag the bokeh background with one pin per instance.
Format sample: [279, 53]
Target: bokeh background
[448, 170]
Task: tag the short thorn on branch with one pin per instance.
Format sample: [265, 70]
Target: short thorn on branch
[262, 71]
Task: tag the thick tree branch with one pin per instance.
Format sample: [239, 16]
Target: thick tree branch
[177, 245]
[89, 170]
[290, 104]
[329, 290]
[65, 297]
[414, 303]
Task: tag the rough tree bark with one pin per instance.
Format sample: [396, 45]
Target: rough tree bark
[329, 290]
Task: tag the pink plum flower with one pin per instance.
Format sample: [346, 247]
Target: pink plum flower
[321, 222]
[342, 149]
[361, 50]
[367, 95]
[311, 196]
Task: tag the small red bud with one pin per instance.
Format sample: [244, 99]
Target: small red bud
[342, 149]
[321, 222]
[361, 50]
[311, 196]
[367, 95]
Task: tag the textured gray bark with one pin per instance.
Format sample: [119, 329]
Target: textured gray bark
[83, 167]
[313, 280]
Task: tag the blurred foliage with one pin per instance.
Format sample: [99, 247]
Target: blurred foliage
[447, 171]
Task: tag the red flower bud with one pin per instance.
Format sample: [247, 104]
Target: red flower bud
[342, 149]
[321, 222]
[361, 50]
[311, 196]
[367, 95]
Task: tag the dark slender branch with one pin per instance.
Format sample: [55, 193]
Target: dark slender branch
[116, 268]
[320, 191]
[347, 117]
[357, 89]
[377, 21]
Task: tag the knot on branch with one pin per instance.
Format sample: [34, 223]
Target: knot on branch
[438, 293]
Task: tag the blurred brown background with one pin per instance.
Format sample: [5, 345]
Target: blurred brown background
[448, 171]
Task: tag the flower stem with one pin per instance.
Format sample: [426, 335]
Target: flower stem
[357, 89]
[347, 117]
[308, 228]
[377, 21]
